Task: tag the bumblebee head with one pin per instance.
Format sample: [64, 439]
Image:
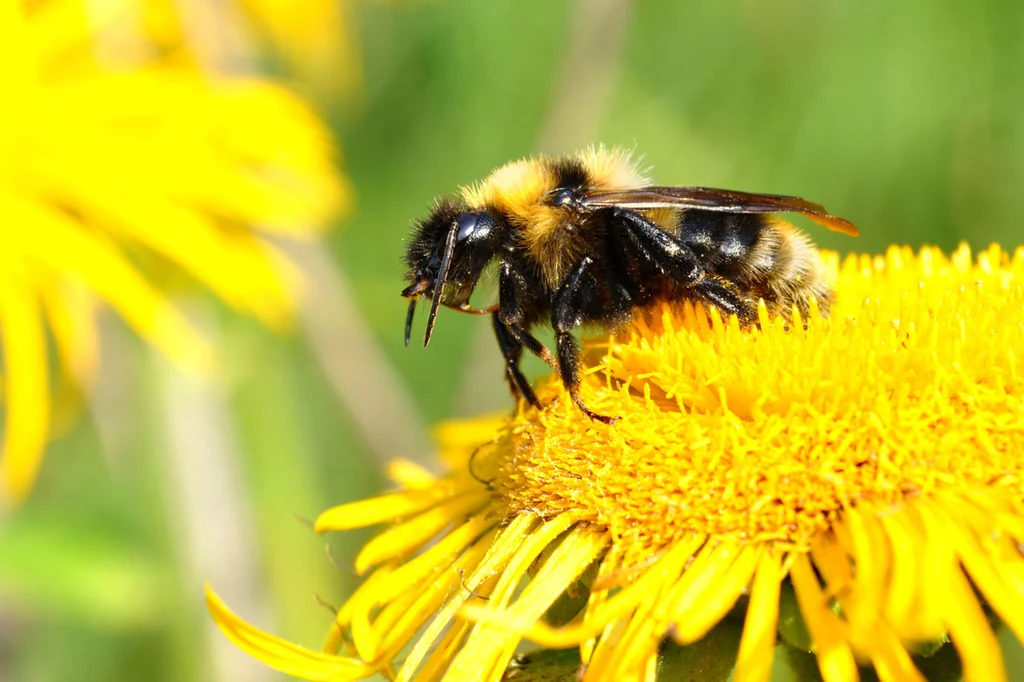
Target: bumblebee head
[446, 257]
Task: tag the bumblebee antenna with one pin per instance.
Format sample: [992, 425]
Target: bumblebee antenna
[408, 321]
[413, 292]
[442, 275]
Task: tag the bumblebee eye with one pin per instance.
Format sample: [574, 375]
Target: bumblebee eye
[472, 226]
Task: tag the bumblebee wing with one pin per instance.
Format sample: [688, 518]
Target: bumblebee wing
[710, 199]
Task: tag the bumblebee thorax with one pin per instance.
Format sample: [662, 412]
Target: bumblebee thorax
[514, 189]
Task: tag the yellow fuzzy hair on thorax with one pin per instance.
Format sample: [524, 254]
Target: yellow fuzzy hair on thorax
[518, 186]
[518, 189]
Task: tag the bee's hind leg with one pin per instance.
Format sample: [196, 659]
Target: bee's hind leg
[725, 299]
[680, 264]
[567, 311]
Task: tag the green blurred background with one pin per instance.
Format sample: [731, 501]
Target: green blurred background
[903, 118]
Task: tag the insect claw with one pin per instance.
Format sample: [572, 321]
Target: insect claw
[594, 415]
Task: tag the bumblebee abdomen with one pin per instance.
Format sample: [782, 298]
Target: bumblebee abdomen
[721, 239]
[760, 254]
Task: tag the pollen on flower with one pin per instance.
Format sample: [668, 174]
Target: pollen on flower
[870, 459]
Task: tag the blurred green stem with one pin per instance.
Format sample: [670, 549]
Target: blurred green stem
[359, 373]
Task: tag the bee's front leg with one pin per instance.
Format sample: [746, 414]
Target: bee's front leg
[568, 309]
[509, 328]
[512, 351]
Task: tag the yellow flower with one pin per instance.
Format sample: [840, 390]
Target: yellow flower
[313, 37]
[103, 173]
[871, 460]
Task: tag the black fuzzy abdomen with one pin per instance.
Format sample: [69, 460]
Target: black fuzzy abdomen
[726, 242]
[762, 257]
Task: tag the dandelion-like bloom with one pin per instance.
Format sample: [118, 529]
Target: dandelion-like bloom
[314, 37]
[105, 176]
[871, 461]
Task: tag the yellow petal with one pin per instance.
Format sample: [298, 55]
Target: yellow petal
[395, 626]
[71, 313]
[415, 532]
[971, 634]
[601, 614]
[62, 246]
[281, 655]
[498, 555]
[726, 568]
[835, 659]
[489, 647]
[409, 474]
[711, 604]
[380, 509]
[314, 36]
[892, 660]
[26, 387]
[17, 53]
[435, 558]
[757, 644]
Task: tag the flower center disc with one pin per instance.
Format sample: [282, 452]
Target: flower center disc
[915, 382]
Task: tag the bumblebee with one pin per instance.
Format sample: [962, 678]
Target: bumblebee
[586, 239]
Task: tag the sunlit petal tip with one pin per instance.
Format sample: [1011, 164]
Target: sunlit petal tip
[26, 392]
[280, 654]
[409, 474]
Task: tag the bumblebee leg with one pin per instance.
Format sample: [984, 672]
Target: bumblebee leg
[533, 345]
[674, 259]
[512, 351]
[567, 309]
[510, 312]
[726, 299]
[679, 263]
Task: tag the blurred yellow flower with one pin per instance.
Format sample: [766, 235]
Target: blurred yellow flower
[101, 172]
[313, 37]
[871, 459]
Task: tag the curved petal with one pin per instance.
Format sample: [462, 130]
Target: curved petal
[57, 242]
[281, 655]
[26, 389]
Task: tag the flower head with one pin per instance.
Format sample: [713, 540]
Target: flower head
[869, 460]
[107, 177]
[315, 39]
